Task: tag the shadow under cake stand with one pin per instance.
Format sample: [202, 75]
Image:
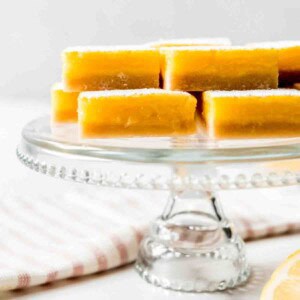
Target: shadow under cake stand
[192, 245]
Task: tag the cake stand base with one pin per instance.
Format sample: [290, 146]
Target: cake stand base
[192, 250]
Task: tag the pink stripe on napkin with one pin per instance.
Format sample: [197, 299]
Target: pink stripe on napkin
[85, 230]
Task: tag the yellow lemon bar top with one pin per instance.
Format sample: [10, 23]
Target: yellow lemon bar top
[190, 42]
[144, 112]
[63, 104]
[111, 67]
[288, 60]
[204, 68]
[256, 113]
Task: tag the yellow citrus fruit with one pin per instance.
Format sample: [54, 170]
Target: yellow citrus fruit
[284, 283]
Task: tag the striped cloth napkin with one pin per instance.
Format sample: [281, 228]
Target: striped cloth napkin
[84, 229]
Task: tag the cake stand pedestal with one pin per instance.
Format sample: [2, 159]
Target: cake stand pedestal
[192, 245]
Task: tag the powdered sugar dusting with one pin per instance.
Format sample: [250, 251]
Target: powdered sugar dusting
[108, 48]
[126, 93]
[215, 47]
[255, 93]
[277, 45]
[57, 86]
[192, 41]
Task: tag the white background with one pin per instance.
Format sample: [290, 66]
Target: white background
[33, 32]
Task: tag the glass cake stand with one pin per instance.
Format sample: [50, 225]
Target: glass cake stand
[192, 245]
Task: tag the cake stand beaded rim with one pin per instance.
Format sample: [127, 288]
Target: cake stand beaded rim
[157, 182]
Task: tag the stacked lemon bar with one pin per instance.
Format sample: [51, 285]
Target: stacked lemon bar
[153, 90]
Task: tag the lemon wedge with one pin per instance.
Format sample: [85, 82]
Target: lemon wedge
[284, 283]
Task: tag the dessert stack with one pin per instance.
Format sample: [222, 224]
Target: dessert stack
[153, 90]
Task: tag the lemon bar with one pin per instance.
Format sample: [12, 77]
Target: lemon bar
[183, 43]
[144, 112]
[256, 113]
[108, 68]
[190, 42]
[219, 68]
[288, 60]
[63, 104]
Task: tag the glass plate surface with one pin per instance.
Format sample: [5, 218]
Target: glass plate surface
[65, 139]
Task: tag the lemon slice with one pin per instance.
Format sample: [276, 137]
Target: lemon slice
[284, 283]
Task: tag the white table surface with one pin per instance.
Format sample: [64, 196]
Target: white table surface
[264, 255]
